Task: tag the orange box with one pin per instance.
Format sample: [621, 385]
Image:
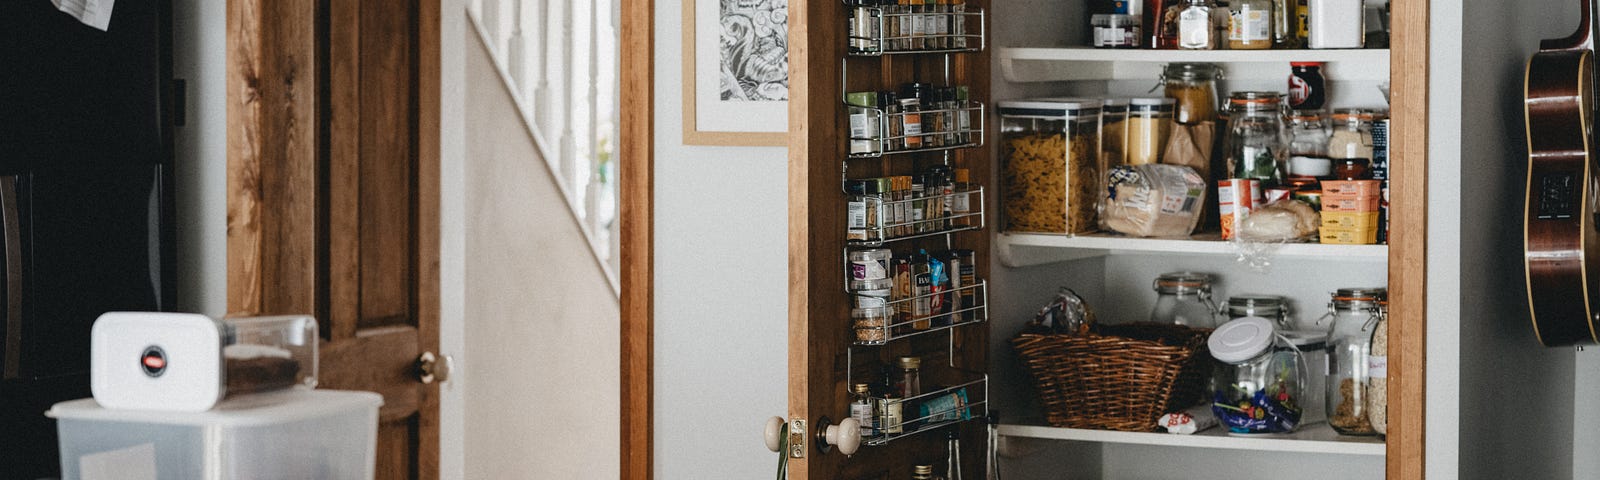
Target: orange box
[1351, 188]
[1342, 236]
[1349, 220]
[1346, 203]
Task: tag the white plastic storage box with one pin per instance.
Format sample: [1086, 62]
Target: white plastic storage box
[295, 433]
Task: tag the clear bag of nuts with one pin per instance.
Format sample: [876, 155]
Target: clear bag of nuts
[1050, 174]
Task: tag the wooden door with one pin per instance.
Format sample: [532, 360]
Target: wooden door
[333, 195]
[821, 357]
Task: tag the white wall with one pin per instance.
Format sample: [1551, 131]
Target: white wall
[541, 321]
[721, 283]
[200, 57]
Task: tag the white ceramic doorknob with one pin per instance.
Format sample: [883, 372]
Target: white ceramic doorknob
[846, 436]
[774, 433]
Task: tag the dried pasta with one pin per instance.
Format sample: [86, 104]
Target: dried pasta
[1043, 192]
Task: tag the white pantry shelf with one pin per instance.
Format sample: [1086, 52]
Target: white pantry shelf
[1025, 249]
[1314, 438]
[1048, 64]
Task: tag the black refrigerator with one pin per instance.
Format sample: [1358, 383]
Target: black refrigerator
[86, 201]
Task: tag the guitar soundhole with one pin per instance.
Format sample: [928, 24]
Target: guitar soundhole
[1558, 194]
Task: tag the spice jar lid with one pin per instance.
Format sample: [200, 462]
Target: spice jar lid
[922, 470]
[909, 363]
[861, 388]
[1241, 339]
[1183, 283]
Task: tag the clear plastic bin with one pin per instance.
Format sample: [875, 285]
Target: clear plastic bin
[295, 433]
[187, 362]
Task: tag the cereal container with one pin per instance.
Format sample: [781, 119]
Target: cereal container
[1050, 176]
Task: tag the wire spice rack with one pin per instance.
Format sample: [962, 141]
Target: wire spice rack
[876, 31]
[968, 305]
[876, 219]
[876, 133]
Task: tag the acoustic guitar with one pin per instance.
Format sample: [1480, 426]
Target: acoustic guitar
[1559, 236]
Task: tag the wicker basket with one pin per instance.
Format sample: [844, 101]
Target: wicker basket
[1122, 377]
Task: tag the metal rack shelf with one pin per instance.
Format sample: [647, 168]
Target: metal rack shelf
[964, 315]
[935, 135]
[880, 218]
[958, 411]
[899, 33]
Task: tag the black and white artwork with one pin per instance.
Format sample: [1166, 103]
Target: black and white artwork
[755, 50]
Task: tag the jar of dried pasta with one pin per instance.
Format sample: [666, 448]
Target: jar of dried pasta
[1050, 175]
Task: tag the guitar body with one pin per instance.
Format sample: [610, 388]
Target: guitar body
[1559, 236]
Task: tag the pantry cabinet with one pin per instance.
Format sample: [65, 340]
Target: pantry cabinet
[1033, 49]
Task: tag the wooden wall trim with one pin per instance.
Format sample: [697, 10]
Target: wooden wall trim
[429, 304]
[637, 153]
[1408, 286]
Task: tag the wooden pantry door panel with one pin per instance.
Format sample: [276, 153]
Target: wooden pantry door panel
[333, 195]
[819, 308]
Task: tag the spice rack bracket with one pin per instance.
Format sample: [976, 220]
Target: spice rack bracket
[1023, 249]
[1055, 64]
[1317, 438]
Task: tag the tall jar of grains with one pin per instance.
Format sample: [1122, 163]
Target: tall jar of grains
[1050, 175]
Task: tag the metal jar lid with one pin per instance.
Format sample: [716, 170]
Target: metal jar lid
[1183, 283]
[1248, 305]
[1191, 71]
[910, 363]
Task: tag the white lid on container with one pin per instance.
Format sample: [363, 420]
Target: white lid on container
[1241, 339]
[261, 409]
[1114, 102]
[1054, 107]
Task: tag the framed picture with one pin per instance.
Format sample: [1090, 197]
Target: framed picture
[736, 72]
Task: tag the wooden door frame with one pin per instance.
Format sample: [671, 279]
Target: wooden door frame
[274, 132]
[637, 154]
[1408, 246]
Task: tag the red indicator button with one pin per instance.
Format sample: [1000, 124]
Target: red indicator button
[155, 362]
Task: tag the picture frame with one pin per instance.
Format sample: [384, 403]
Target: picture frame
[738, 95]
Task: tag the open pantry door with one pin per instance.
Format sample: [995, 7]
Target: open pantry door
[829, 354]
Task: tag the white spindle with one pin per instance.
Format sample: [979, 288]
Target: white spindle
[489, 16]
[569, 145]
[517, 53]
[539, 91]
[595, 188]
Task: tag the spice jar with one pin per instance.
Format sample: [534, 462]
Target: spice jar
[871, 324]
[1378, 373]
[1264, 306]
[1259, 378]
[1258, 142]
[1050, 172]
[1113, 133]
[1193, 86]
[861, 409]
[1184, 298]
[1353, 314]
[1308, 146]
[1149, 126]
[923, 472]
[1251, 24]
[909, 382]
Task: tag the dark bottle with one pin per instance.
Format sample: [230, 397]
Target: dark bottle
[1308, 89]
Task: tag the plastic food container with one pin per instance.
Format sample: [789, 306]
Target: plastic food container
[297, 433]
[1259, 384]
[187, 362]
[1051, 173]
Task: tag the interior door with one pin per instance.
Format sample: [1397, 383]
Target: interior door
[822, 360]
[333, 196]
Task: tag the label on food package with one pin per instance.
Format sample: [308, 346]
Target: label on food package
[857, 214]
[868, 270]
[1377, 366]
